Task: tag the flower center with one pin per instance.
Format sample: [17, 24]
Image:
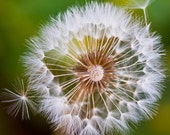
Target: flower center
[96, 73]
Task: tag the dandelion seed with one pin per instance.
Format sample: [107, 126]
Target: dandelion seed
[97, 69]
[19, 100]
[140, 4]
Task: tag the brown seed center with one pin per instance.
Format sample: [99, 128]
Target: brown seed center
[96, 73]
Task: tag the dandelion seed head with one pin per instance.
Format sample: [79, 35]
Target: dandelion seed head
[97, 69]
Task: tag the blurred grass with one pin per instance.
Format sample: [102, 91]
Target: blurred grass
[21, 19]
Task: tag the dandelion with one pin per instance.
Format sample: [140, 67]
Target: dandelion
[19, 100]
[97, 69]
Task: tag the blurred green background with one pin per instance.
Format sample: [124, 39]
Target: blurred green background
[21, 19]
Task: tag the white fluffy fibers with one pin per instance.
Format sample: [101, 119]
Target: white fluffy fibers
[97, 69]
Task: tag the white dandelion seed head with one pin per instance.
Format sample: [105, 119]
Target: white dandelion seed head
[97, 68]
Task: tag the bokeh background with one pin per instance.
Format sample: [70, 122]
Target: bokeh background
[21, 19]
